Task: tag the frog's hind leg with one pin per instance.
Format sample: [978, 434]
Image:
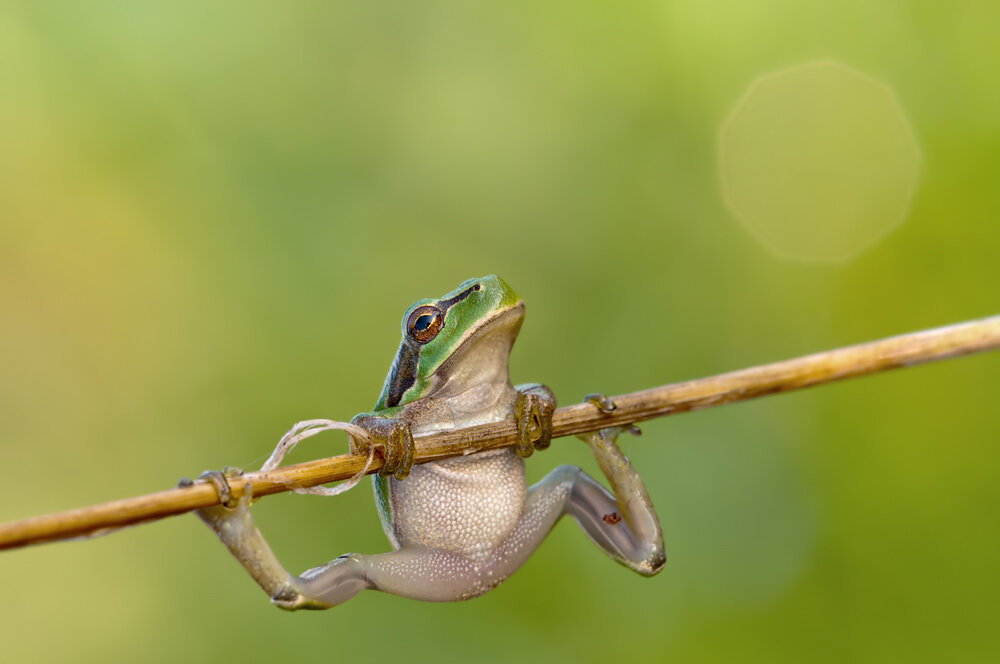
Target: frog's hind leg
[424, 574]
[630, 534]
[622, 523]
[319, 588]
[419, 573]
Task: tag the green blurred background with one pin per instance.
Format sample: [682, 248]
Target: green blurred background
[213, 215]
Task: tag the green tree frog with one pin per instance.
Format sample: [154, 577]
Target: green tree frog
[458, 526]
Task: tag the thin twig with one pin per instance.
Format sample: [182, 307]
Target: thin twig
[906, 350]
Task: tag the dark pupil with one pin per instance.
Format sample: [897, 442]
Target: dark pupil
[423, 322]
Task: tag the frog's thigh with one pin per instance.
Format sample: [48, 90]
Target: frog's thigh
[431, 575]
[418, 573]
[546, 502]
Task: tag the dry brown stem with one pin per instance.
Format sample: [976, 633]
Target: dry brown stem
[906, 350]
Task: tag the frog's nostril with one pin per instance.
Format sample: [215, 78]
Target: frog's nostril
[476, 287]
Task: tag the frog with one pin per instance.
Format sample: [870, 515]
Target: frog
[457, 526]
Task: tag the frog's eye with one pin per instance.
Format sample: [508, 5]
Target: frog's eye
[424, 323]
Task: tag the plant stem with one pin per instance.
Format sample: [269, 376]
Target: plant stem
[902, 351]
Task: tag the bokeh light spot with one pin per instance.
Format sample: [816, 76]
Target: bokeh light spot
[818, 161]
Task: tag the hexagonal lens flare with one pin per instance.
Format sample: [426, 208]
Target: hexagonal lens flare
[818, 161]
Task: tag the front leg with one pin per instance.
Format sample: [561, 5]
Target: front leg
[533, 413]
[319, 588]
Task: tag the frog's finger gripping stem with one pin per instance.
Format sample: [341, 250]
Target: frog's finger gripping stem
[399, 451]
[402, 440]
[533, 413]
[395, 439]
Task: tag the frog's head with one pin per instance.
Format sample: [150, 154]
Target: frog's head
[468, 331]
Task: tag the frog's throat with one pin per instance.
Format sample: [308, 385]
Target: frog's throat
[481, 357]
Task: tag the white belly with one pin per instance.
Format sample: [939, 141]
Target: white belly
[465, 505]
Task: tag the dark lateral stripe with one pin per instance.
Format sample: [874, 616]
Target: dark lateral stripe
[403, 374]
[445, 305]
[404, 368]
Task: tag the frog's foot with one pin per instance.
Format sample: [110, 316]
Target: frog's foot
[533, 414]
[220, 480]
[607, 406]
[395, 439]
[289, 598]
[230, 518]
[604, 404]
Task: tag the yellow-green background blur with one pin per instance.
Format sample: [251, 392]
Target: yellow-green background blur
[212, 216]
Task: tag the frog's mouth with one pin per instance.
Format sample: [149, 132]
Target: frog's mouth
[481, 357]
